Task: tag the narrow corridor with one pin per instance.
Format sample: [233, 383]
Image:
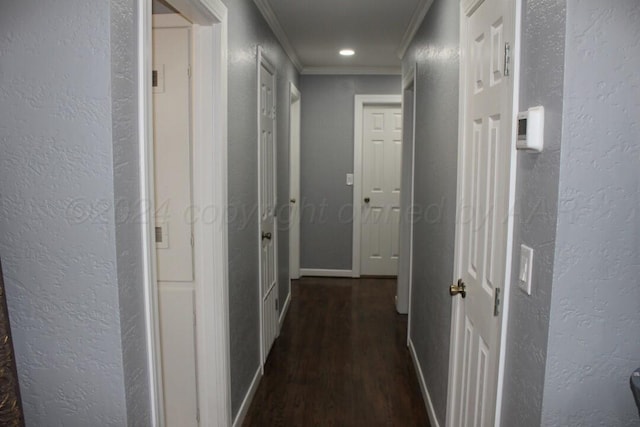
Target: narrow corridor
[341, 360]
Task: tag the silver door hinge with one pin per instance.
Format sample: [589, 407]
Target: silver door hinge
[189, 71]
[496, 302]
[507, 59]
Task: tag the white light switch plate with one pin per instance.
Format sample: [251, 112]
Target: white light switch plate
[349, 179]
[526, 266]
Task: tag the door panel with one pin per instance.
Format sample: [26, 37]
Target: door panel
[267, 197]
[173, 195]
[381, 176]
[482, 212]
[172, 154]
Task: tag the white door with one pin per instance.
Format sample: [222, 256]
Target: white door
[173, 196]
[381, 165]
[294, 185]
[483, 203]
[267, 201]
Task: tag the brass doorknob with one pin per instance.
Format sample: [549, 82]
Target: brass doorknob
[460, 288]
[266, 236]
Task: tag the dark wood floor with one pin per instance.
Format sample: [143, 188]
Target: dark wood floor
[341, 360]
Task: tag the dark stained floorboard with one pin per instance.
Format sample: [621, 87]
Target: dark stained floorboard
[341, 360]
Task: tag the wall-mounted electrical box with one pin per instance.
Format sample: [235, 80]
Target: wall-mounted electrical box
[531, 130]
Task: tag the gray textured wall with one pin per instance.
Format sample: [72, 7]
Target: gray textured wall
[247, 30]
[543, 29]
[595, 315]
[57, 223]
[126, 185]
[326, 156]
[436, 51]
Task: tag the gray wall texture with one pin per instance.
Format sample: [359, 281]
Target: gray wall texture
[59, 238]
[541, 83]
[326, 156]
[435, 49]
[595, 316]
[126, 184]
[247, 30]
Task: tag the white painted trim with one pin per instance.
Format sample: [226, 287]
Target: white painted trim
[408, 80]
[416, 20]
[516, 50]
[348, 71]
[318, 272]
[145, 144]
[210, 189]
[294, 98]
[466, 7]
[272, 20]
[248, 398]
[433, 419]
[285, 308]
[170, 20]
[359, 103]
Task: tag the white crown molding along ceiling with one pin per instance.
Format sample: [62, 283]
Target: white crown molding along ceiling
[272, 20]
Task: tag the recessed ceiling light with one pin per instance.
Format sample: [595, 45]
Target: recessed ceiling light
[347, 52]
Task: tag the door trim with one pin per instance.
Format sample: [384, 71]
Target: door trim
[263, 60]
[209, 80]
[466, 7]
[360, 102]
[408, 80]
[294, 97]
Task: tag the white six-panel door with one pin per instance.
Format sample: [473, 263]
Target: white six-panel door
[381, 174]
[173, 178]
[267, 201]
[482, 211]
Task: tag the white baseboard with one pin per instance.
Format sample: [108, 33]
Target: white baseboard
[423, 387]
[317, 272]
[285, 309]
[246, 403]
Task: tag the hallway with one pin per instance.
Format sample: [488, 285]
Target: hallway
[341, 359]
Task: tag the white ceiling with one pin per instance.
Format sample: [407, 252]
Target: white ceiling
[313, 31]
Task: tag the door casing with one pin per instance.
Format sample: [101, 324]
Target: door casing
[209, 79]
[466, 6]
[360, 102]
[403, 305]
[294, 183]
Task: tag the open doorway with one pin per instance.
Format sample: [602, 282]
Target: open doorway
[183, 188]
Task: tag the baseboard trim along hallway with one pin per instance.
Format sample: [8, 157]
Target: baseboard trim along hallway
[285, 309]
[246, 403]
[319, 272]
[423, 387]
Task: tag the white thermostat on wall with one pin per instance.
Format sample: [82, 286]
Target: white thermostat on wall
[531, 130]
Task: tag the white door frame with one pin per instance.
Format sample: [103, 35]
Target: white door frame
[263, 61]
[466, 6]
[294, 223]
[408, 80]
[360, 102]
[209, 77]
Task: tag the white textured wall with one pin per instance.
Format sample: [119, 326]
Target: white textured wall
[57, 223]
[595, 310]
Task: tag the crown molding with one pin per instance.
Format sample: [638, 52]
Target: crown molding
[351, 71]
[269, 15]
[414, 24]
